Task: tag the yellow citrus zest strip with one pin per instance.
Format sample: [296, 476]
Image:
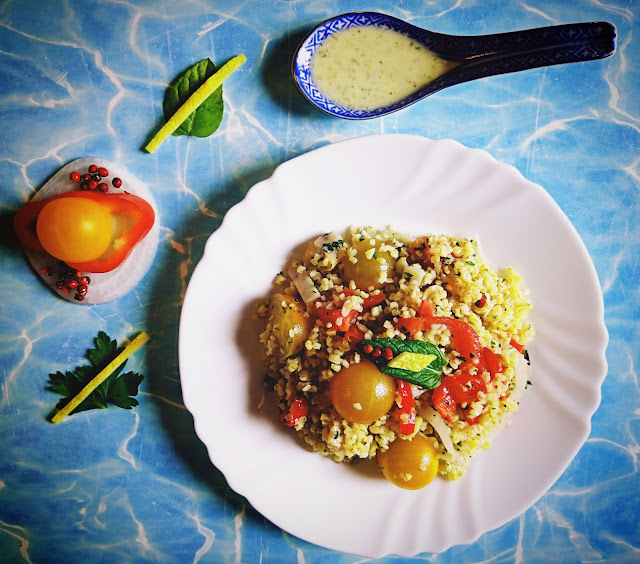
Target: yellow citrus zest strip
[83, 394]
[415, 362]
[205, 90]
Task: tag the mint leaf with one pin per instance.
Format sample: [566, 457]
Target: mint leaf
[118, 389]
[429, 377]
[208, 117]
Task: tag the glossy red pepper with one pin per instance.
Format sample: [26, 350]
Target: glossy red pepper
[299, 409]
[491, 362]
[456, 389]
[410, 325]
[465, 340]
[517, 346]
[139, 210]
[353, 334]
[406, 410]
[444, 402]
[334, 316]
[426, 309]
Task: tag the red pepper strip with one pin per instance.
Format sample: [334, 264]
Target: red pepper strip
[410, 325]
[491, 362]
[299, 409]
[370, 301]
[465, 387]
[443, 402]
[24, 224]
[406, 411]
[334, 316]
[465, 339]
[426, 309]
[353, 335]
[456, 389]
[517, 346]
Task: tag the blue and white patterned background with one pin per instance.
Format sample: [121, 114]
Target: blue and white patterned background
[85, 78]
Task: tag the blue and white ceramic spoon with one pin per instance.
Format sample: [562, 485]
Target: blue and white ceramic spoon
[478, 56]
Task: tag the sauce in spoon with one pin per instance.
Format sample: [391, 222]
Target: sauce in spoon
[367, 67]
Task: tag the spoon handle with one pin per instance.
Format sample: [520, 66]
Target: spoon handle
[487, 55]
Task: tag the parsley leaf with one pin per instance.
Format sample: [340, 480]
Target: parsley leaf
[118, 389]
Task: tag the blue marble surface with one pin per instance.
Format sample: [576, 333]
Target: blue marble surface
[84, 78]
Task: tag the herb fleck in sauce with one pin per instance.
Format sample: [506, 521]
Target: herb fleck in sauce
[368, 67]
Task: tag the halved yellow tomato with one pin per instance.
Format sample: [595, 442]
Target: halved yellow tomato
[74, 229]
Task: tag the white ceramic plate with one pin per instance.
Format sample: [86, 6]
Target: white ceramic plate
[418, 186]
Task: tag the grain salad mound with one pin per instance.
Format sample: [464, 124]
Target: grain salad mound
[408, 350]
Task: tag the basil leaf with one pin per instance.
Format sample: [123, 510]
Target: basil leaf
[208, 117]
[429, 377]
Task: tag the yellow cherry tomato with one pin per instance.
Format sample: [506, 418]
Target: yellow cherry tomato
[409, 464]
[291, 327]
[372, 267]
[361, 393]
[74, 229]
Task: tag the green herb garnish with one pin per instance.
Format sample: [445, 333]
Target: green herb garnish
[328, 247]
[117, 388]
[194, 101]
[208, 116]
[428, 377]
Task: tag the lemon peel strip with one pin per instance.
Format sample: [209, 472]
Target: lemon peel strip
[194, 101]
[83, 394]
[412, 361]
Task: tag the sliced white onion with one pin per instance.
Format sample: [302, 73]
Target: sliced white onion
[304, 284]
[108, 286]
[328, 238]
[520, 378]
[413, 273]
[440, 427]
[330, 254]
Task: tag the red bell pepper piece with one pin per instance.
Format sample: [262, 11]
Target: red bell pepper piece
[491, 362]
[517, 346]
[465, 339]
[426, 309]
[334, 316]
[444, 402]
[353, 334]
[24, 224]
[299, 409]
[410, 325]
[454, 390]
[406, 410]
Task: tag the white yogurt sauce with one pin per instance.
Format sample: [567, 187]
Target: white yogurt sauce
[368, 67]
